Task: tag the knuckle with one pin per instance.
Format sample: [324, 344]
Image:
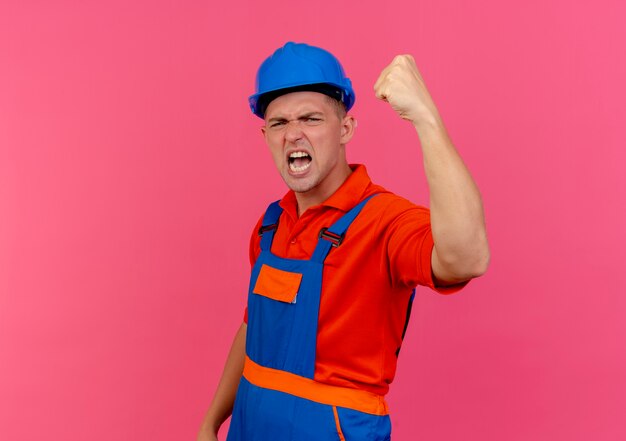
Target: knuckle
[398, 59]
[402, 58]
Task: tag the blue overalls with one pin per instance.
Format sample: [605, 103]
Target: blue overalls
[277, 399]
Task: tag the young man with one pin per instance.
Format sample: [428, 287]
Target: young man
[336, 260]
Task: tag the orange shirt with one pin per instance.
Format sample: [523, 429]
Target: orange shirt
[367, 280]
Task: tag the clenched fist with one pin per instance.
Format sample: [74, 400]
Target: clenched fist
[402, 86]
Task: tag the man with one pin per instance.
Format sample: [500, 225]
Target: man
[336, 260]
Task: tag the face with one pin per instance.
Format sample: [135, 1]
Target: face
[307, 139]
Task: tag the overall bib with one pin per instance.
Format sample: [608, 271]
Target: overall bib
[277, 399]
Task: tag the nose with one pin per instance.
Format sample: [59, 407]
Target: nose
[293, 131]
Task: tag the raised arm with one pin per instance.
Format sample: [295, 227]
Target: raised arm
[461, 251]
[222, 405]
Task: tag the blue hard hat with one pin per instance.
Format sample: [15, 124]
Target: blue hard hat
[298, 67]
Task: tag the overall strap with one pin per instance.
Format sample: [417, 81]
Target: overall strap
[334, 235]
[269, 225]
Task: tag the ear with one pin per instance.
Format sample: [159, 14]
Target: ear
[348, 124]
[264, 131]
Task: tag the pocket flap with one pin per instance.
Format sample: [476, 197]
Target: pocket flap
[277, 284]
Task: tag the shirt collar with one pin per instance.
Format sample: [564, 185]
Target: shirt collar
[347, 195]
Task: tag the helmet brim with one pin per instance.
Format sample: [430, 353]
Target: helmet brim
[259, 102]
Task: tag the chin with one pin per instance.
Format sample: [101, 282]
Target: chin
[300, 188]
[299, 185]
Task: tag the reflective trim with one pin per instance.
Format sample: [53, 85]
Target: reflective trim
[306, 388]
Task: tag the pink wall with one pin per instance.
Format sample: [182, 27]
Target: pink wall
[131, 172]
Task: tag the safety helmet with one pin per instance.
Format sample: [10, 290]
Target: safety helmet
[300, 67]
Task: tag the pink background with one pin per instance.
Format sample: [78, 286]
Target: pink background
[131, 172]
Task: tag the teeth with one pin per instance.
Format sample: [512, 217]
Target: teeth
[299, 169]
[298, 155]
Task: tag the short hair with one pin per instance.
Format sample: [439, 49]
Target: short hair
[340, 108]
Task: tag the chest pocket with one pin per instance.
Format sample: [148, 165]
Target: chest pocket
[277, 284]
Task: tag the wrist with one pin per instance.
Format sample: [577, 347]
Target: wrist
[211, 426]
[428, 125]
[425, 116]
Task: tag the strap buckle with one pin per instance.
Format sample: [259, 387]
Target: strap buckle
[266, 228]
[334, 238]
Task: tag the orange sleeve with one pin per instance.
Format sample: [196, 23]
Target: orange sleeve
[427, 272]
[409, 241]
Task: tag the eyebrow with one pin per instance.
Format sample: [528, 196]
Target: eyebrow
[305, 115]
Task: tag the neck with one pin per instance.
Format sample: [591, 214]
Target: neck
[323, 191]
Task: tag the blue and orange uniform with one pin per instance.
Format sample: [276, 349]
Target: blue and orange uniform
[327, 309]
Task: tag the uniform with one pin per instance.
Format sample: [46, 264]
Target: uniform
[328, 303]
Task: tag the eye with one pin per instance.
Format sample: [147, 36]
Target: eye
[277, 124]
[311, 120]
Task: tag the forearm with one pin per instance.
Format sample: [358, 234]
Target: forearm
[457, 218]
[222, 405]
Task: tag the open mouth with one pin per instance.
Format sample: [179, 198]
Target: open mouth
[299, 161]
